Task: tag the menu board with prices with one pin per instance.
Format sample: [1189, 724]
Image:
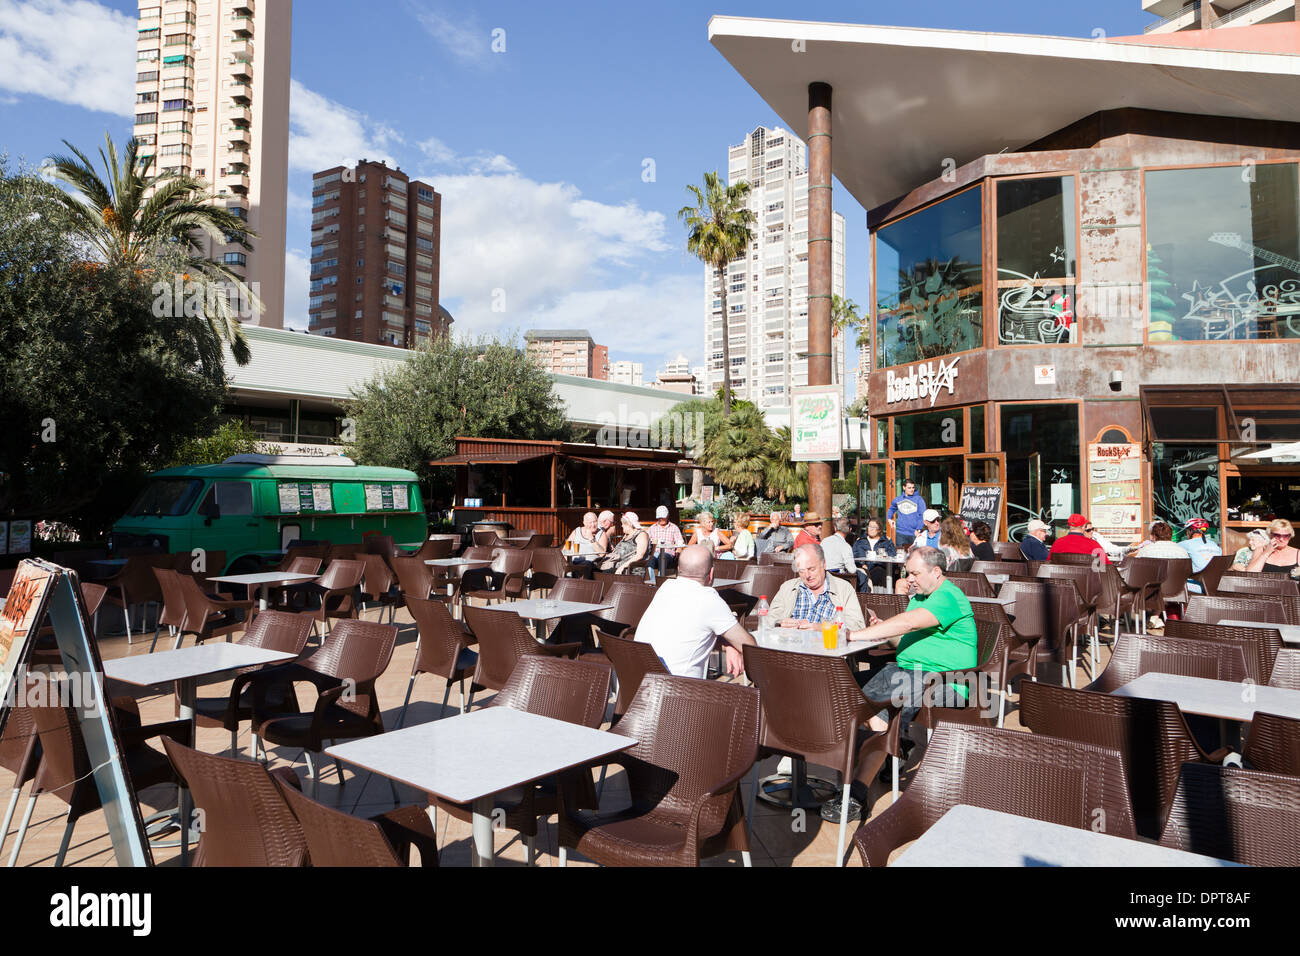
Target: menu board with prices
[1115, 490]
[305, 497]
[388, 497]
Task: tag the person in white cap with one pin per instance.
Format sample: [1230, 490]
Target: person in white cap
[1033, 545]
[928, 536]
[666, 538]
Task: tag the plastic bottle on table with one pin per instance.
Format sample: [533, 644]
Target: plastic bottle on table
[762, 609]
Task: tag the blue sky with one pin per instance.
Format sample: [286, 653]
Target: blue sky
[537, 150]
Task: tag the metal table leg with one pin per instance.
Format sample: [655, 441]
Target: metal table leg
[483, 849]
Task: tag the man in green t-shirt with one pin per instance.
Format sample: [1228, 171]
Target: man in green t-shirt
[935, 633]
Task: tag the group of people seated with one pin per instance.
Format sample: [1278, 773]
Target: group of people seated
[687, 619]
[597, 547]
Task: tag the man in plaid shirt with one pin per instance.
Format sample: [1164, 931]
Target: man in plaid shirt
[811, 598]
[666, 538]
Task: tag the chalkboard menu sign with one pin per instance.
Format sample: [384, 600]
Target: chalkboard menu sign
[982, 503]
[305, 497]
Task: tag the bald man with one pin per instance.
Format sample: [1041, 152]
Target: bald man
[687, 618]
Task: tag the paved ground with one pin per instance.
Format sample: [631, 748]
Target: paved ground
[778, 837]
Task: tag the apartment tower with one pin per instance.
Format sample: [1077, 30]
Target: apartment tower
[1179, 15]
[374, 256]
[767, 289]
[568, 352]
[212, 101]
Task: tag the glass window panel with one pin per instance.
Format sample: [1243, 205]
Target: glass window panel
[1041, 443]
[1036, 261]
[1223, 253]
[977, 429]
[941, 429]
[1185, 483]
[1185, 423]
[929, 288]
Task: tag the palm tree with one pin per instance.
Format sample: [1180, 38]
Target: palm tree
[844, 316]
[128, 227]
[738, 453]
[717, 232]
[785, 478]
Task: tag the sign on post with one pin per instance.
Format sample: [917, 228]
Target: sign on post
[982, 502]
[1115, 489]
[816, 427]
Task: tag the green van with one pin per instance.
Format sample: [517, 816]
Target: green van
[252, 506]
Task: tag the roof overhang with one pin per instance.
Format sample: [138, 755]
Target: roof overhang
[907, 103]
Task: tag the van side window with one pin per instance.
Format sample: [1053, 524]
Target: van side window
[231, 497]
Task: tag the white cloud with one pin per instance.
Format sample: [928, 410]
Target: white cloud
[325, 133]
[297, 279]
[555, 259]
[69, 51]
[460, 36]
[447, 159]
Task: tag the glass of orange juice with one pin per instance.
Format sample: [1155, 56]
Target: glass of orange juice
[830, 635]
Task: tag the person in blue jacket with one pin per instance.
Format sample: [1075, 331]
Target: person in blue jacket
[906, 511]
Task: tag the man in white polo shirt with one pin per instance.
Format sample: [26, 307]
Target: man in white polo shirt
[687, 617]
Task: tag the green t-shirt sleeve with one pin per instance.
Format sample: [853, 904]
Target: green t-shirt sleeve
[949, 646]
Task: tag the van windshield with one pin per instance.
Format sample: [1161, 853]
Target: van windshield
[166, 496]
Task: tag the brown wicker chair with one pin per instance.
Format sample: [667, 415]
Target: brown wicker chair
[885, 605]
[630, 600]
[1286, 669]
[172, 614]
[1151, 735]
[1257, 584]
[414, 579]
[336, 592]
[1065, 559]
[696, 740]
[20, 754]
[245, 819]
[1173, 589]
[1088, 581]
[1273, 744]
[206, 616]
[812, 709]
[135, 584]
[575, 627]
[1213, 572]
[441, 649]
[1002, 662]
[505, 578]
[1142, 580]
[998, 567]
[344, 670]
[432, 549]
[1138, 654]
[548, 568]
[273, 631]
[1033, 776]
[503, 639]
[992, 641]
[383, 545]
[334, 838]
[1261, 644]
[1031, 628]
[572, 691]
[1007, 551]
[632, 660]
[65, 770]
[1211, 609]
[378, 584]
[972, 583]
[1240, 815]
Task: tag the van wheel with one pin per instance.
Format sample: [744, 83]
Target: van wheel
[245, 565]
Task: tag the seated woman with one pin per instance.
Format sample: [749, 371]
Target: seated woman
[707, 534]
[1278, 556]
[1257, 538]
[634, 546]
[587, 544]
[873, 542]
[955, 545]
[981, 542]
[1159, 543]
[741, 546]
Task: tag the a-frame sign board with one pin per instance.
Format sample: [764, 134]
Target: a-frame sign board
[40, 589]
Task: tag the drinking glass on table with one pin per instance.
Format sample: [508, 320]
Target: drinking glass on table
[830, 635]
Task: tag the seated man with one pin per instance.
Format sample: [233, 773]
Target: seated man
[1033, 545]
[773, 538]
[1075, 541]
[935, 633]
[688, 617]
[667, 540]
[812, 597]
[812, 531]
[839, 553]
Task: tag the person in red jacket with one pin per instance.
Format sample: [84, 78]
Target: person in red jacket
[1076, 542]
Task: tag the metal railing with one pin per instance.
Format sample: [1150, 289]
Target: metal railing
[1165, 21]
[1242, 11]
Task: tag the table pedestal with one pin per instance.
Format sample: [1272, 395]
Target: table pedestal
[809, 792]
[483, 848]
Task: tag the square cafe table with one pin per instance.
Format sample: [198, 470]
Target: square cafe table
[971, 836]
[472, 757]
[1290, 632]
[887, 561]
[263, 581]
[465, 563]
[1225, 699]
[184, 667]
[539, 610]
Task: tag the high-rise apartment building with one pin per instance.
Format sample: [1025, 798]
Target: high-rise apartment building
[1178, 15]
[767, 289]
[374, 256]
[568, 352]
[212, 101]
[627, 373]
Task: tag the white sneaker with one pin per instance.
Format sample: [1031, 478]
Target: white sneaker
[1156, 622]
[785, 766]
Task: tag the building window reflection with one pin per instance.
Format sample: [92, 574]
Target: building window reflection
[1036, 261]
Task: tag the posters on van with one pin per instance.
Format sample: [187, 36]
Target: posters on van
[387, 497]
[375, 497]
[20, 537]
[305, 497]
[400, 501]
[321, 497]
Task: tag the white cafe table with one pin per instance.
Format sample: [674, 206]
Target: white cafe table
[810, 641]
[184, 666]
[887, 561]
[470, 758]
[1225, 699]
[263, 580]
[971, 836]
[1008, 601]
[1290, 632]
[541, 610]
[727, 582]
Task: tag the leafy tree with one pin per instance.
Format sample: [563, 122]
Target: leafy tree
[231, 438]
[718, 232]
[845, 317]
[486, 388]
[95, 390]
[159, 234]
[785, 478]
[740, 451]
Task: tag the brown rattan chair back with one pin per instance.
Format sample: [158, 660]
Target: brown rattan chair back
[772, 558]
[1151, 735]
[972, 583]
[632, 660]
[630, 600]
[302, 564]
[1008, 551]
[337, 839]
[381, 544]
[486, 539]
[503, 639]
[1213, 608]
[1256, 584]
[1084, 577]
[885, 605]
[578, 590]
[1065, 559]
[1245, 816]
[1213, 572]
[573, 691]
[1030, 775]
[342, 574]
[764, 581]
[413, 578]
[246, 821]
[441, 638]
[1143, 580]
[1138, 654]
[1286, 669]
[1173, 589]
[1260, 644]
[1273, 744]
[174, 598]
[1034, 609]
[278, 631]
[435, 549]
[548, 568]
